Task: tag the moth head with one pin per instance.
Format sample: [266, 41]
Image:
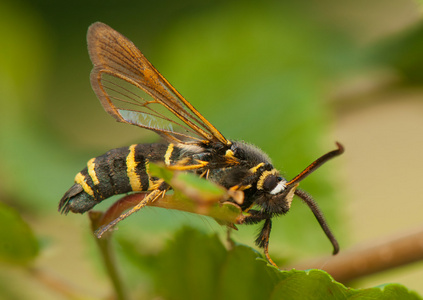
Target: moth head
[277, 193]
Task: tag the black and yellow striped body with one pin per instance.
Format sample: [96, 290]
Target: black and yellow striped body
[118, 171]
[123, 170]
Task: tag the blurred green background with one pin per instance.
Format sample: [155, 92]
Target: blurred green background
[289, 76]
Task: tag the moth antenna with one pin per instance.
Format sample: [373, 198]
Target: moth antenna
[320, 218]
[316, 164]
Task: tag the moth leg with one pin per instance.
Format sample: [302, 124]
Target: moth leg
[262, 239]
[253, 217]
[153, 196]
[205, 174]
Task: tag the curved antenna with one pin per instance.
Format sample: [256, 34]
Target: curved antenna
[316, 164]
[320, 218]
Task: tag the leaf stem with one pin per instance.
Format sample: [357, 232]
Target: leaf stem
[107, 254]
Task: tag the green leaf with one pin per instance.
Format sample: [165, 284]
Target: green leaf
[312, 284]
[18, 244]
[385, 292]
[198, 266]
[156, 170]
[189, 267]
[197, 195]
[236, 271]
[200, 185]
[189, 184]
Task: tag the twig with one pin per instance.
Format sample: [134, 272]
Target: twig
[53, 283]
[369, 259]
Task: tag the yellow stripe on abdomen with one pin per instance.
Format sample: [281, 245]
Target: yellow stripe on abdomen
[131, 164]
[91, 171]
[80, 179]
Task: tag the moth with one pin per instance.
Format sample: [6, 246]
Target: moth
[132, 91]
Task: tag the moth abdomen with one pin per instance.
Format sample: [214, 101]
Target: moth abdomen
[76, 200]
[118, 171]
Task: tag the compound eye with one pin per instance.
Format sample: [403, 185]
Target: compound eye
[270, 183]
[274, 184]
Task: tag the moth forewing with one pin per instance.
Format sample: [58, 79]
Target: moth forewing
[113, 53]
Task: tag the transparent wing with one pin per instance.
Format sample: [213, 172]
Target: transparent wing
[134, 92]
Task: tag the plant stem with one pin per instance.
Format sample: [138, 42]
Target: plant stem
[369, 259]
[108, 257]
